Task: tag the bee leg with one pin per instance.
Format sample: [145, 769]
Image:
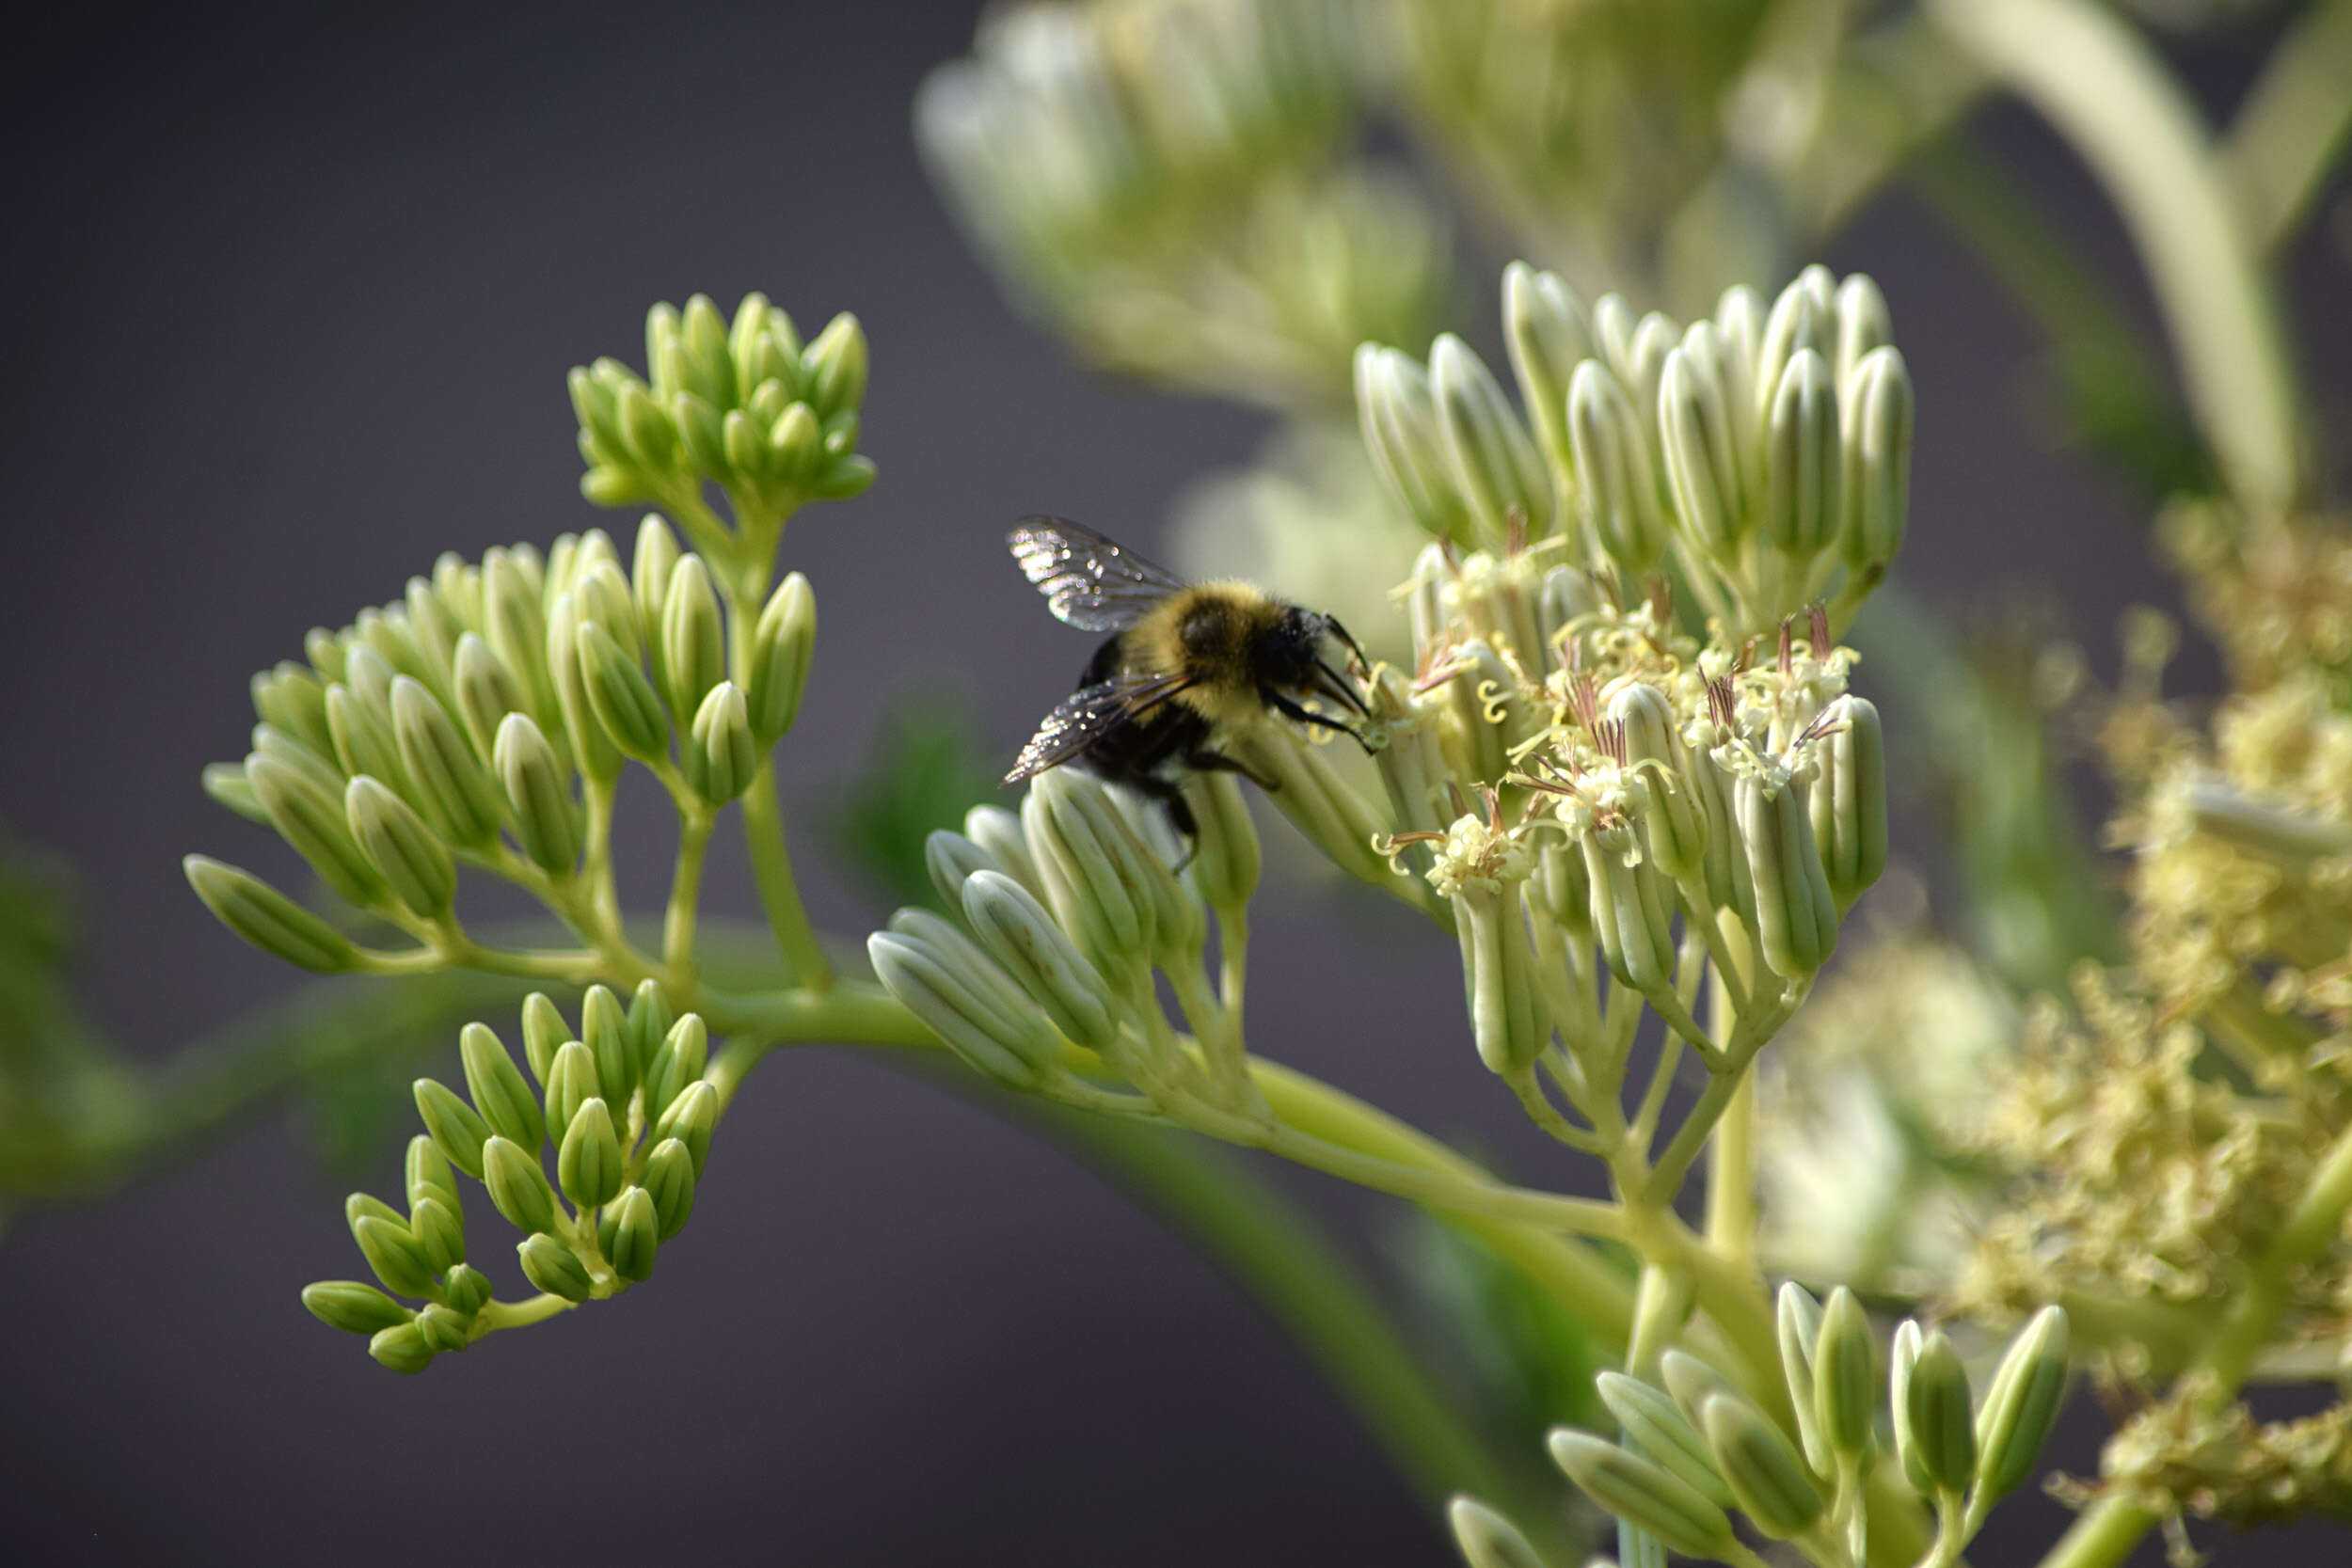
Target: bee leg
[1217, 762]
[1292, 710]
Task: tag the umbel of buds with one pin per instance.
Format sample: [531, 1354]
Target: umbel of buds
[1764, 451]
[482, 719]
[623, 1104]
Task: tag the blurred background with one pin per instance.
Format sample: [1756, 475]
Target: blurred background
[293, 300]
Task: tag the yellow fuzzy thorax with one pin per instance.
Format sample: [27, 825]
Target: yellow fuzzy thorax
[1207, 631]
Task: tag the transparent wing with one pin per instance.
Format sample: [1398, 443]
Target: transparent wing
[1090, 583]
[1086, 715]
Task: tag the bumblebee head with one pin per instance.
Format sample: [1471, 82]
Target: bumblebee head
[1288, 656]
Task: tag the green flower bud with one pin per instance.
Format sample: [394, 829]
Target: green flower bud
[311, 819]
[794, 448]
[455, 1128]
[293, 698]
[226, 783]
[393, 1254]
[1796, 919]
[1633, 913]
[621, 698]
[1506, 1020]
[267, 918]
[1016, 930]
[1863, 324]
[598, 410]
[325, 653]
[1702, 458]
[950, 857]
[649, 438]
[443, 1328]
[1845, 1386]
[432, 632]
[1729, 886]
[1398, 419]
[1494, 464]
[589, 1166]
[413, 863]
[455, 792]
[608, 1227]
[515, 625]
[1488, 715]
[1636, 349]
[707, 365]
[592, 745]
[360, 1205]
[499, 1091]
[845, 479]
[539, 793]
[1876, 488]
[1804, 461]
[1615, 471]
[1902, 1355]
[720, 756]
[1487, 1539]
[1001, 837]
[781, 643]
[651, 568]
[2022, 1405]
[427, 1172]
[1563, 889]
[1643, 1493]
[1549, 339]
[1848, 801]
[402, 1348]
[693, 641]
[960, 1005]
[572, 1081]
[467, 1289]
[353, 1306]
[1798, 1320]
[1675, 826]
[544, 1032]
[486, 693]
[325, 772]
[649, 1022]
[636, 1236]
[1691, 1382]
[604, 1028]
[440, 1232]
[1657, 1430]
[1764, 1473]
[679, 1061]
[518, 1186]
[553, 1267]
[690, 1119]
[1935, 1421]
[1803, 317]
[1093, 866]
[670, 1178]
[1225, 857]
[835, 366]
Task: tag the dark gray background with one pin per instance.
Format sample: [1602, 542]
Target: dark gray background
[291, 304]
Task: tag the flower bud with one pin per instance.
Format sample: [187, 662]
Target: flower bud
[1643, 1493]
[1507, 1020]
[413, 863]
[1863, 324]
[440, 1232]
[311, 817]
[1616, 470]
[1487, 1539]
[1798, 1318]
[486, 691]
[621, 698]
[1803, 317]
[539, 794]
[720, 756]
[456, 1129]
[1657, 1430]
[226, 783]
[589, 1166]
[515, 625]
[1876, 486]
[1494, 464]
[835, 366]
[1225, 858]
[571, 1082]
[402, 1348]
[499, 1091]
[950, 857]
[1001, 837]
[636, 1236]
[692, 640]
[654, 565]
[679, 1060]
[689, 1120]
[793, 447]
[1757, 1464]
[604, 1029]
[1549, 340]
[267, 918]
[427, 1172]
[1632, 914]
[1729, 886]
[1848, 801]
[1796, 919]
[1487, 714]
[553, 1267]
[781, 643]
[1702, 458]
[1935, 1425]
[1675, 826]
[2022, 1405]
[468, 1290]
[1093, 867]
[962, 1007]
[670, 1178]
[592, 746]
[544, 1032]
[1014, 927]
[519, 1185]
[353, 1306]
[702, 363]
[1845, 1389]
[650, 1020]
[1398, 419]
[1803, 461]
[294, 699]
[1691, 1382]
[1563, 889]
[452, 788]
[393, 1254]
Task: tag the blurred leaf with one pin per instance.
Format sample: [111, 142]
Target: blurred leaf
[927, 766]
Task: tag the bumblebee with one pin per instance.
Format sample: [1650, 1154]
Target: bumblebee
[1186, 664]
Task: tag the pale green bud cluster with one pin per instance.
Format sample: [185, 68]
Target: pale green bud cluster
[1169, 179]
[1693, 1449]
[474, 720]
[623, 1104]
[745, 405]
[1764, 451]
[1059, 918]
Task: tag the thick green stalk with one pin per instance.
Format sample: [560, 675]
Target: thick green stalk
[2293, 126]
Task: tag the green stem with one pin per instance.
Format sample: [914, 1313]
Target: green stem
[2292, 125]
[2108, 93]
[677, 921]
[518, 1314]
[779, 894]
